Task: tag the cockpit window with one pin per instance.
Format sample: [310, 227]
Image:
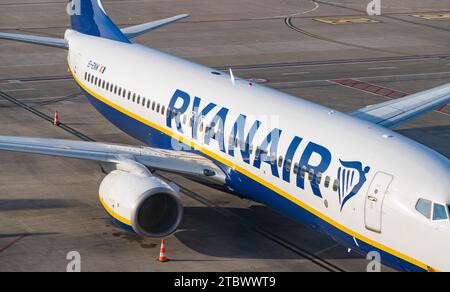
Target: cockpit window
[424, 207]
[439, 212]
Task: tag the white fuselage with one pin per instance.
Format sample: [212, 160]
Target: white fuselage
[404, 169]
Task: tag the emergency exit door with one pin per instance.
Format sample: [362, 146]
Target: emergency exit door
[375, 199]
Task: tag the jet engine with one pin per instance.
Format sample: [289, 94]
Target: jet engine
[141, 203]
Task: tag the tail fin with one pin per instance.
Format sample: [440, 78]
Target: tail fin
[89, 17]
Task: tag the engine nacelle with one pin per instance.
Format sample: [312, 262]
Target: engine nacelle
[142, 204]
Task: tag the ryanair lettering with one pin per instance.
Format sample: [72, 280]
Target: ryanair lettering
[239, 140]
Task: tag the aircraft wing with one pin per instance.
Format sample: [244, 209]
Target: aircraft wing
[129, 32]
[39, 40]
[395, 112]
[134, 31]
[179, 162]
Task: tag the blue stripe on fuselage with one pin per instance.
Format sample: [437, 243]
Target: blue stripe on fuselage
[247, 187]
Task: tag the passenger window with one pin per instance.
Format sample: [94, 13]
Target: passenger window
[158, 107]
[107, 86]
[134, 97]
[311, 174]
[280, 161]
[148, 103]
[163, 110]
[138, 99]
[303, 172]
[296, 166]
[120, 91]
[439, 212]
[336, 185]
[327, 181]
[129, 95]
[258, 150]
[319, 178]
[424, 208]
[103, 84]
[85, 75]
[124, 93]
[288, 165]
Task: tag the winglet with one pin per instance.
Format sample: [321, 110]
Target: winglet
[134, 31]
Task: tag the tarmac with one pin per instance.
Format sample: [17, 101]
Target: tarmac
[49, 206]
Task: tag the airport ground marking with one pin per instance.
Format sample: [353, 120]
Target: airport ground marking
[378, 90]
[434, 17]
[343, 21]
[19, 238]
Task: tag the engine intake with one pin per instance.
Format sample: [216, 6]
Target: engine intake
[141, 203]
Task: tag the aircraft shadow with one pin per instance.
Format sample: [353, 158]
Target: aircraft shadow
[210, 233]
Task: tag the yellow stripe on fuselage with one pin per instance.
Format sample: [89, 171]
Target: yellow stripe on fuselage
[193, 144]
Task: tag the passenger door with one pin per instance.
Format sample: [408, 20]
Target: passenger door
[374, 201]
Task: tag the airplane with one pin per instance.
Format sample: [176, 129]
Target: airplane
[347, 175]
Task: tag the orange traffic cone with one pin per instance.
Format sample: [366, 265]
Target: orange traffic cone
[162, 254]
[56, 119]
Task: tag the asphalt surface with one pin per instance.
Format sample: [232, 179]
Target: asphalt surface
[49, 206]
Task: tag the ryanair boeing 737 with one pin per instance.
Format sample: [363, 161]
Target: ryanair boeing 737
[346, 175]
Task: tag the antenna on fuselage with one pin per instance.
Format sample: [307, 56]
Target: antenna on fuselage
[233, 80]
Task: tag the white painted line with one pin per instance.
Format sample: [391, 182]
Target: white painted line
[326, 249]
[40, 81]
[333, 64]
[32, 65]
[22, 89]
[361, 78]
[383, 68]
[43, 98]
[295, 73]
